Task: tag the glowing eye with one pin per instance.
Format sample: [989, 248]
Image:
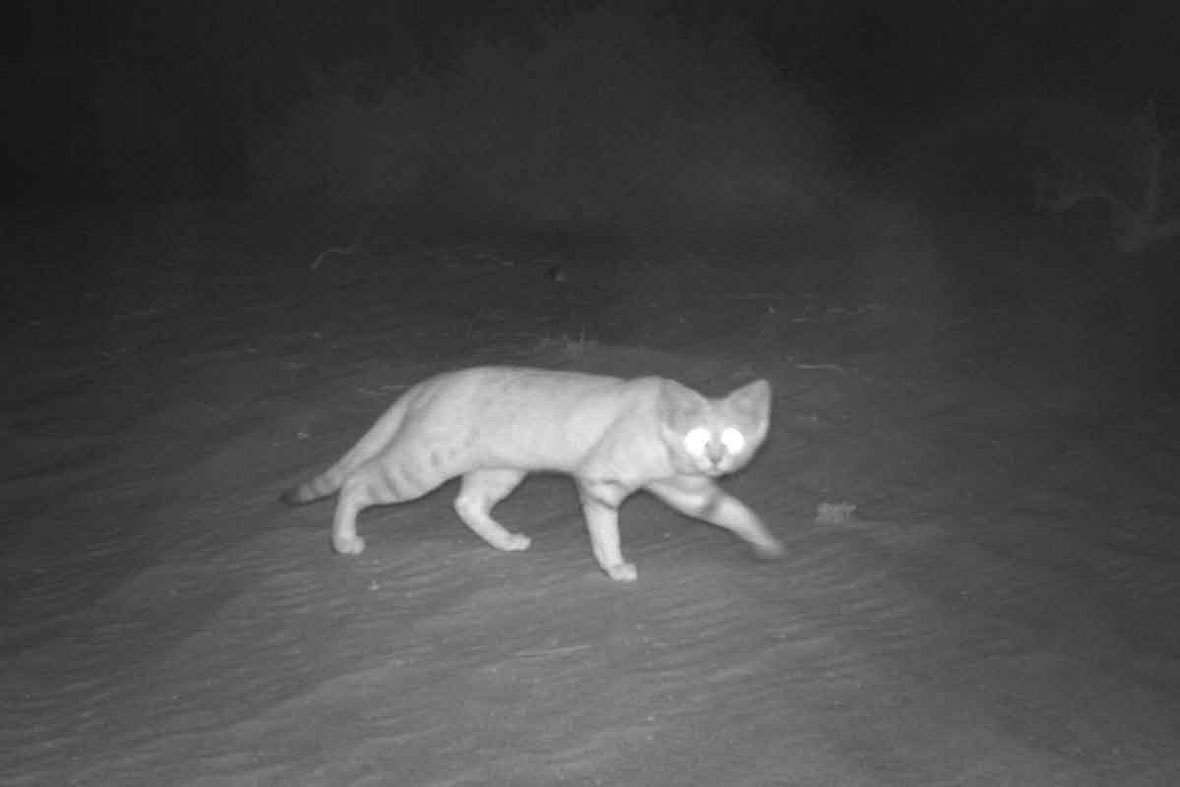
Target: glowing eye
[732, 440]
[696, 440]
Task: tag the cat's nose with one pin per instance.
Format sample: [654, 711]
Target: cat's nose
[714, 460]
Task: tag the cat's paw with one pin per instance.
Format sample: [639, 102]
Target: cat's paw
[769, 550]
[622, 572]
[516, 542]
[348, 545]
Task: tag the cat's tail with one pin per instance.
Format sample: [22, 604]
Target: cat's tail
[313, 489]
[373, 443]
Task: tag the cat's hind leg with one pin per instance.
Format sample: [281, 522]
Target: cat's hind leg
[378, 482]
[355, 495]
[479, 493]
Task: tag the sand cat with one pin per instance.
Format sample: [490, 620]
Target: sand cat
[494, 425]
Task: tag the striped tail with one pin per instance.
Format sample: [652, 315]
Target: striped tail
[314, 489]
[373, 443]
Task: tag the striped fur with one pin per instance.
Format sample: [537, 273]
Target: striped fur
[494, 425]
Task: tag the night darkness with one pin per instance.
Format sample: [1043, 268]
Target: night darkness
[206, 78]
[945, 233]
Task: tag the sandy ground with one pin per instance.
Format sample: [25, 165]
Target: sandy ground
[1000, 608]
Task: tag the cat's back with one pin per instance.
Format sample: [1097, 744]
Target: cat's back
[496, 391]
[502, 411]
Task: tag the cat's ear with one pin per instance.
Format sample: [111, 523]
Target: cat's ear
[752, 400]
[679, 404]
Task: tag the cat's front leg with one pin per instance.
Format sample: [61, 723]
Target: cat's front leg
[600, 504]
[702, 499]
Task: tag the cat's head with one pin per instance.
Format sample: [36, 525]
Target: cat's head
[713, 437]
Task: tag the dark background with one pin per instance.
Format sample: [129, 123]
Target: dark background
[1008, 164]
[177, 92]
